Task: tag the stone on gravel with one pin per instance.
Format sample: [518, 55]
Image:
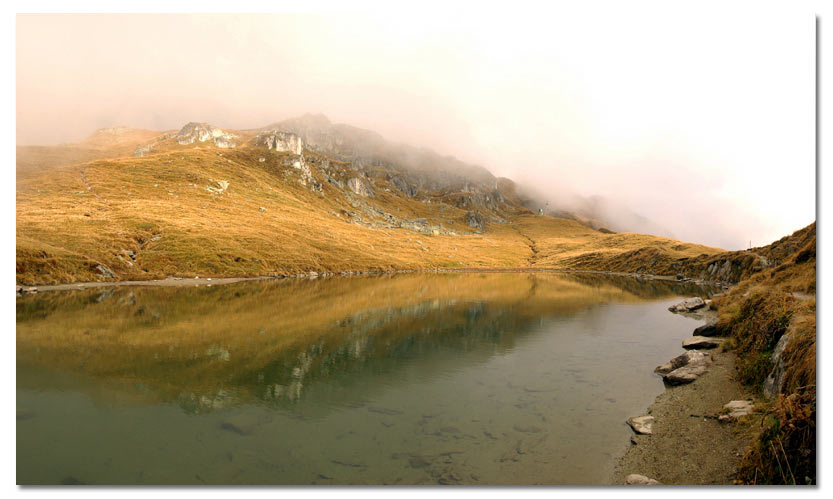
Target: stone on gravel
[737, 409]
[635, 479]
[702, 343]
[642, 424]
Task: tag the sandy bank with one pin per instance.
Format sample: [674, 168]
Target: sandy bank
[689, 446]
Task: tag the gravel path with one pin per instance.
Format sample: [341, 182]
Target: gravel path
[687, 450]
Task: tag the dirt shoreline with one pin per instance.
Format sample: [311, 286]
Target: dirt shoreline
[176, 281]
[688, 445]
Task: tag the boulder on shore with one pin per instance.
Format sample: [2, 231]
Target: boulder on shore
[691, 357]
[709, 329]
[702, 342]
[685, 374]
[642, 424]
[634, 479]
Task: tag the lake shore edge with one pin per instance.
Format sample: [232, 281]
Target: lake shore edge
[688, 443]
[179, 281]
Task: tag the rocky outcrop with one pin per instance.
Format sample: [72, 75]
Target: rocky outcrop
[281, 142]
[403, 185]
[202, 132]
[775, 380]
[475, 220]
[358, 186]
[104, 271]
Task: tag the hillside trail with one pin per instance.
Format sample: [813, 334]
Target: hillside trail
[533, 247]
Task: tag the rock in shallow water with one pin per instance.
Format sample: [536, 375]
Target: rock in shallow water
[688, 305]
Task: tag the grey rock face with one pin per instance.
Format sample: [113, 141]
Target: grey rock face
[702, 342]
[281, 142]
[403, 186]
[201, 132]
[104, 271]
[775, 380]
[475, 220]
[359, 187]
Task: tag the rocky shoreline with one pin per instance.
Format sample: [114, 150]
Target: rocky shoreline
[178, 281]
[693, 433]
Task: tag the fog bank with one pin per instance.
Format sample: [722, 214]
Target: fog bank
[700, 120]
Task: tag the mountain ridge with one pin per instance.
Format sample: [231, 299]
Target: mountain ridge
[224, 202]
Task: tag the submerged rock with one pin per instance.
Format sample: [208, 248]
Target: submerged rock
[635, 479]
[642, 424]
[688, 305]
[702, 342]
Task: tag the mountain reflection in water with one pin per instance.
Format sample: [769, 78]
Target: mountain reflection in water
[316, 352]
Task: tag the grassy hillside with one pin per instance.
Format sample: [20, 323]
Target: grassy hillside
[771, 305]
[171, 212]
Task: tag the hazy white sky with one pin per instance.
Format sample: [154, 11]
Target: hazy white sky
[702, 120]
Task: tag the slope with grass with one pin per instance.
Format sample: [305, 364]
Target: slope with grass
[771, 319]
[217, 203]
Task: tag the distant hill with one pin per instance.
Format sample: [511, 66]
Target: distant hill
[292, 197]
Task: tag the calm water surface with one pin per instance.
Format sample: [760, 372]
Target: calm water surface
[408, 379]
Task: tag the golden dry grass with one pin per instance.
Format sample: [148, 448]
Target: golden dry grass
[71, 218]
[756, 313]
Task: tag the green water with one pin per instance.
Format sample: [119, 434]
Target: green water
[409, 379]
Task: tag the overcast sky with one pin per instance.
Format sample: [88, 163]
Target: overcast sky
[701, 120]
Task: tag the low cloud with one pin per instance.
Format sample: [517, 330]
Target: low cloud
[701, 124]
